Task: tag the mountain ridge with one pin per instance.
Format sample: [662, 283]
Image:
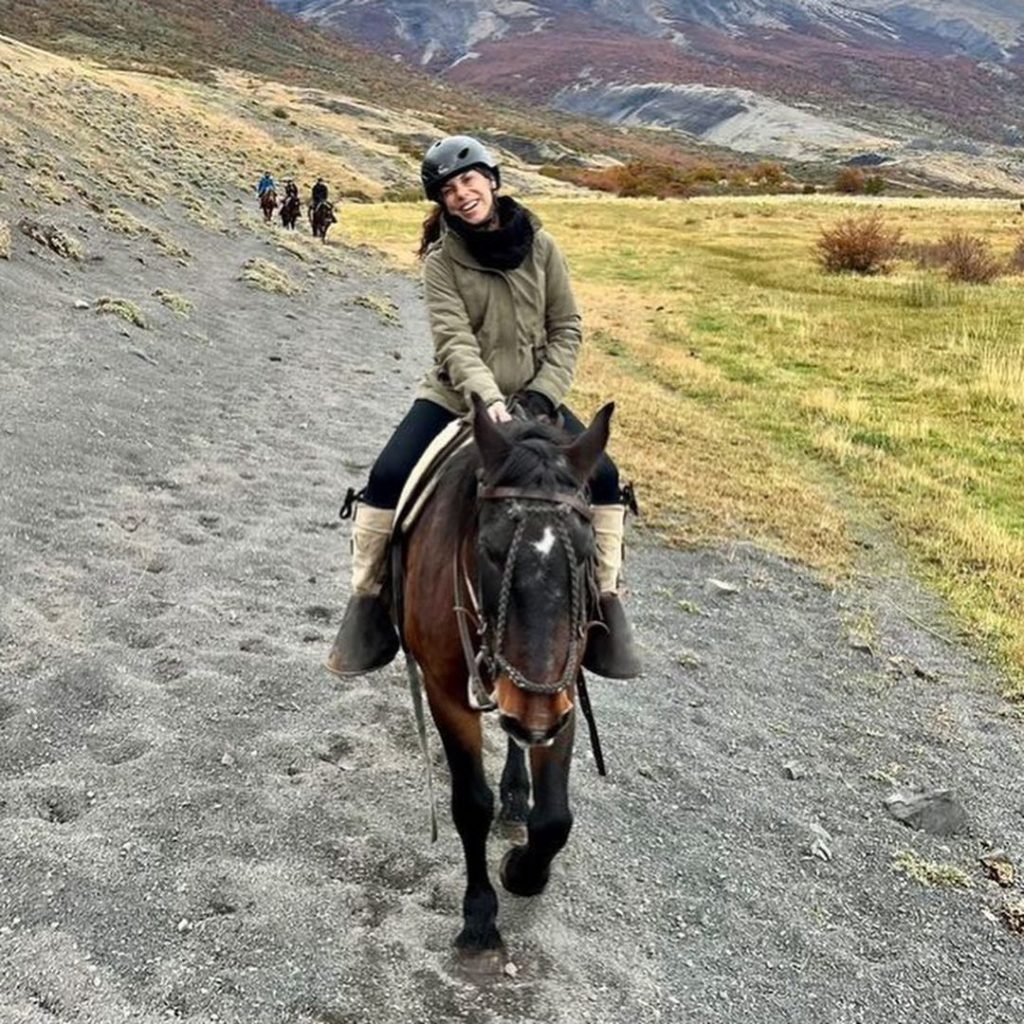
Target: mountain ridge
[887, 69]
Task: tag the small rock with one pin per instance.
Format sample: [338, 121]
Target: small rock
[82, 304]
[228, 761]
[935, 811]
[999, 868]
[794, 770]
[858, 643]
[1012, 913]
[184, 925]
[821, 844]
[722, 586]
[511, 970]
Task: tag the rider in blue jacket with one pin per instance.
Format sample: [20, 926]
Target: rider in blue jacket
[266, 184]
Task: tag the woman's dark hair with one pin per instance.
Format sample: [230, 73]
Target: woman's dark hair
[431, 230]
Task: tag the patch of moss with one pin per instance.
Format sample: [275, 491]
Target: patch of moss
[268, 277]
[123, 308]
[930, 872]
[385, 309]
[174, 301]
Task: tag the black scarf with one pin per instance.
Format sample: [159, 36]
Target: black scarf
[503, 248]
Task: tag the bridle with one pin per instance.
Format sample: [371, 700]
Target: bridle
[521, 505]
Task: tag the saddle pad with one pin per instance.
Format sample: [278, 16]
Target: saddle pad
[423, 478]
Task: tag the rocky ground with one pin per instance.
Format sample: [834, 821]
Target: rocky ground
[199, 823]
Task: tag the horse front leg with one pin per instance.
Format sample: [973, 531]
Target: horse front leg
[515, 794]
[472, 812]
[525, 869]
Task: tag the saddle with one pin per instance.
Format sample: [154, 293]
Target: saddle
[423, 479]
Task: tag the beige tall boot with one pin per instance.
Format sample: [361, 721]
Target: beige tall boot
[610, 651]
[366, 637]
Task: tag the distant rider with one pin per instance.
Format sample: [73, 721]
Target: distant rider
[319, 193]
[291, 190]
[266, 184]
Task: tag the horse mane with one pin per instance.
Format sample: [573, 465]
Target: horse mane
[534, 462]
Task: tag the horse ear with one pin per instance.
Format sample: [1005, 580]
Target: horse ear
[493, 444]
[583, 453]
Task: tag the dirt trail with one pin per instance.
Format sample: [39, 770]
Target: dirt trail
[199, 823]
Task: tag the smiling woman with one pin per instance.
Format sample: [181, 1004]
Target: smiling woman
[506, 332]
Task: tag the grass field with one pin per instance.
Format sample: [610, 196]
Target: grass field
[761, 398]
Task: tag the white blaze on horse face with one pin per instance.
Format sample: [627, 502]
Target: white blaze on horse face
[546, 543]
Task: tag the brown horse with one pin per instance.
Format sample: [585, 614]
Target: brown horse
[290, 210]
[507, 533]
[268, 203]
[321, 217]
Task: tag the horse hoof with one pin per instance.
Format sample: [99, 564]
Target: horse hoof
[514, 831]
[481, 965]
[519, 886]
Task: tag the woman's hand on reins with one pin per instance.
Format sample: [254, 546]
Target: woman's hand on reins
[498, 412]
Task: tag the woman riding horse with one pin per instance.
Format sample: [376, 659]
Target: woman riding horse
[505, 326]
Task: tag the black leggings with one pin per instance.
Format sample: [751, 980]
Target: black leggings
[423, 422]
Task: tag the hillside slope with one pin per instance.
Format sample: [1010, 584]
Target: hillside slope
[849, 75]
[195, 38]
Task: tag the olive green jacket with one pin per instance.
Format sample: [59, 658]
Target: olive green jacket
[497, 332]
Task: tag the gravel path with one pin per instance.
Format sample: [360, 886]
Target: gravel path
[200, 823]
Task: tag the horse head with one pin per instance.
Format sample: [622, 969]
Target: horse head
[534, 557]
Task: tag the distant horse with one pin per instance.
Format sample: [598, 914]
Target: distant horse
[321, 217]
[505, 544]
[290, 210]
[268, 203]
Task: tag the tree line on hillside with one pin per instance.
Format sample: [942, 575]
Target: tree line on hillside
[646, 179]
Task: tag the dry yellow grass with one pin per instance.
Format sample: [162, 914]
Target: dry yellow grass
[123, 308]
[761, 398]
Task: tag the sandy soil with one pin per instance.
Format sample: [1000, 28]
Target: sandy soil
[199, 823]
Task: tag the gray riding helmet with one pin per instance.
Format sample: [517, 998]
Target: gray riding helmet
[453, 155]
